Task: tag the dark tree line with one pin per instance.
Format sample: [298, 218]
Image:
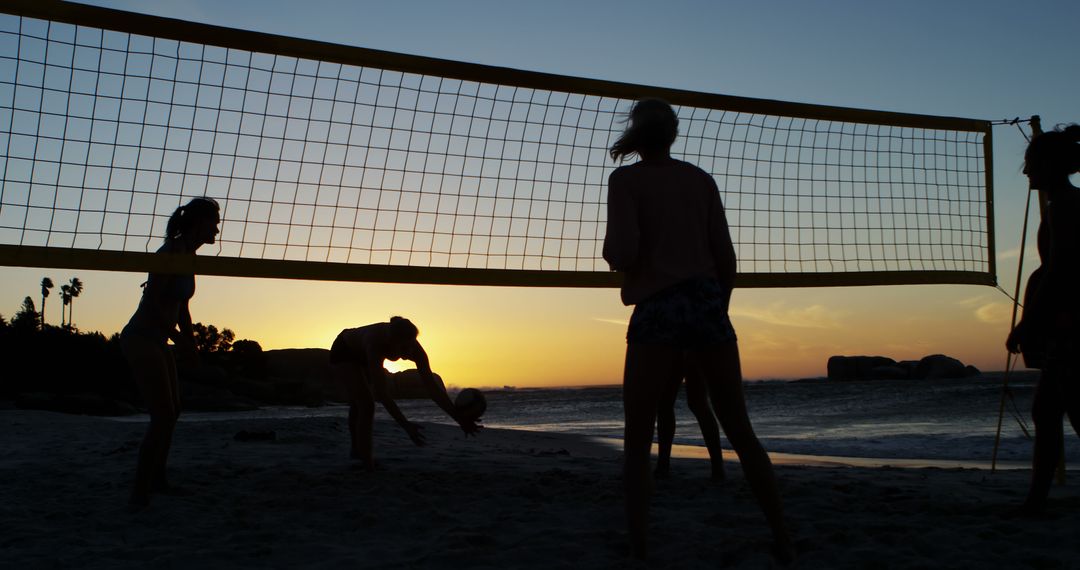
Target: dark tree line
[47, 361]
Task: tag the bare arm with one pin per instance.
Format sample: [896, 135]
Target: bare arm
[185, 332]
[723, 250]
[437, 390]
[183, 335]
[382, 394]
[621, 239]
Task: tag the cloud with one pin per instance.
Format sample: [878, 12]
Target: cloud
[812, 317]
[1031, 253]
[977, 300]
[620, 322]
[994, 313]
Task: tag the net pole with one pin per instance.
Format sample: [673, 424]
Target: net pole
[1036, 130]
[1012, 327]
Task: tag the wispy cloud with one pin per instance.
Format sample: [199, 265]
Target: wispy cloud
[994, 313]
[620, 322]
[812, 317]
[1031, 253]
[973, 301]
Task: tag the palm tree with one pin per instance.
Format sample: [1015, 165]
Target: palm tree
[74, 290]
[65, 296]
[46, 284]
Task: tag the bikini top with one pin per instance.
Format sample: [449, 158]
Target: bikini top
[178, 287]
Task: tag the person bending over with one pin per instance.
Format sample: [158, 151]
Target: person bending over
[356, 358]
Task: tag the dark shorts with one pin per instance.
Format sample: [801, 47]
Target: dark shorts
[156, 336]
[692, 314]
[340, 352]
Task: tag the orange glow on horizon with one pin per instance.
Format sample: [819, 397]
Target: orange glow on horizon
[534, 337]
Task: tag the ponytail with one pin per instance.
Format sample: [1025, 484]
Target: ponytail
[1055, 152]
[1072, 134]
[185, 217]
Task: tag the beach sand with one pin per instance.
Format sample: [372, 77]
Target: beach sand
[506, 499]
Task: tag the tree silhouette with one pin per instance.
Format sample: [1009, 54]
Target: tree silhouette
[246, 346]
[65, 296]
[46, 284]
[208, 339]
[76, 287]
[27, 318]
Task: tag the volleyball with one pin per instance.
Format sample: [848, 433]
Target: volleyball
[471, 403]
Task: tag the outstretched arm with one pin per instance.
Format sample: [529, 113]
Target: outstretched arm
[437, 390]
[382, 394]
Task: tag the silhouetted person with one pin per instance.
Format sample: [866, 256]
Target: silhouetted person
[697, 399]
[1052, 305]
[668, 235]
[163, 315]
[1033, 328]
[357, 357]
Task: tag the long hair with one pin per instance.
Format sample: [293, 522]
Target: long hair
[185, 217]
[1055, 152]
[652, 126]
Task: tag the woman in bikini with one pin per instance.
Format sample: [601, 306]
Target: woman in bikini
[163, 315]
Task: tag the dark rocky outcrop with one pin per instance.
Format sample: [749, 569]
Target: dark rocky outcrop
[856, 367]
[933, 366]
[93, 377]
[940, 366]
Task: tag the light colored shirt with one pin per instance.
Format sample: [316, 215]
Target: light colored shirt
[665, 225]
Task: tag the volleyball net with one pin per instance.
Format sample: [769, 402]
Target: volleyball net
[336, 162]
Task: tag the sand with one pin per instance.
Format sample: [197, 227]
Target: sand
[506, 499]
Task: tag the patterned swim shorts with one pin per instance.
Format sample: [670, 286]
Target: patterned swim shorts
[691, 314]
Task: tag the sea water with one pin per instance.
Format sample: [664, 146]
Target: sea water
[897, 419]
[901, 419]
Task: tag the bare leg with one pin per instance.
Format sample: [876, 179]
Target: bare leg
[665, 430]
[361, 411]
[649, 370]
[697, 398]
[1047, 411]
[160, 482]
[724, 376]
[1070, 392]
[150, 367]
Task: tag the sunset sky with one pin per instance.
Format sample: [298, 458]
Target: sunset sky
[978, 59]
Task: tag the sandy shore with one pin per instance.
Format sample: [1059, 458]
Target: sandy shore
[506, 499]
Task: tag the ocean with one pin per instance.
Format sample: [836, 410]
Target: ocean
[896, 419]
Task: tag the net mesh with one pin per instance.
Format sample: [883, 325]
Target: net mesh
[103, 134]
